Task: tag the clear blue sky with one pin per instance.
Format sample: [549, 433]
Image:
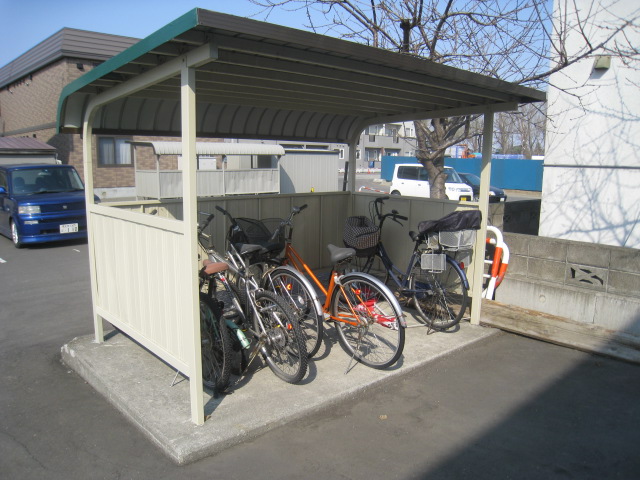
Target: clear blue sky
[25, 23]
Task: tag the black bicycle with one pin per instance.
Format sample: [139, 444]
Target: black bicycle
[434, 282]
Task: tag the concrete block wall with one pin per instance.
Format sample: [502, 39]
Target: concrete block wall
[589, 283]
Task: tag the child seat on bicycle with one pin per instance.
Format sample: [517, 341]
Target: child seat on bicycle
[456, 221]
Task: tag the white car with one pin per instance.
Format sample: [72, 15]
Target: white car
[413, 180]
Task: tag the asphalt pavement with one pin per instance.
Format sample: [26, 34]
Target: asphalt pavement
[504, 407]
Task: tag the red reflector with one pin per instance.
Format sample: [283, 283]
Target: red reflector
[462, 265]
[289, 286]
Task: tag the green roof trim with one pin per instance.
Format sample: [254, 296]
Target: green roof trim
[171, 30]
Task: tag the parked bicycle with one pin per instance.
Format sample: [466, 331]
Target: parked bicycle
[261, 314]
[434, 282]
[368, 318]
[284, 281]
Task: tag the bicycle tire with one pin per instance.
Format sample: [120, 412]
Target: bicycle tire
[215, 346]
[288, 285]
[441, 298]
[378, 339]
[284, 350]
[232, 299]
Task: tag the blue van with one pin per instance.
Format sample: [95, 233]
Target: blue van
[41, 203]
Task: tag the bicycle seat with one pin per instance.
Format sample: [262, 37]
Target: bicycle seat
[214, 267]
[246, 248]
[339, 254]
[414, 236]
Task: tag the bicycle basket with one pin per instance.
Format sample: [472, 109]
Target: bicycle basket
[361, 234]
[454, 241]
[433, 262]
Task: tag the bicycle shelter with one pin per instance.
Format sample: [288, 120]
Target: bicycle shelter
[208, 74]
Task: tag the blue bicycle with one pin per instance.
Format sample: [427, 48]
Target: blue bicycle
[435, 283]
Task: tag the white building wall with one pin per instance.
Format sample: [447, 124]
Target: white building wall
[591, 185]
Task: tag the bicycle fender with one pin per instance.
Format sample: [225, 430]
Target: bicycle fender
[305, 282]
[457, 268]
[384, 288]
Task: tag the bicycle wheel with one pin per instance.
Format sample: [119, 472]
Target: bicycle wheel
[284, 349]
[288, 285]
[370, 329]
[215, 346]
[441, 297]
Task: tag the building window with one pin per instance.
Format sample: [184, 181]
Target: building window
[372, 154]
[114, 151]
[341, 154]
[391, 130]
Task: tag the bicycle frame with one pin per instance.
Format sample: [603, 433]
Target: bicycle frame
[400, 279]
[293, 257]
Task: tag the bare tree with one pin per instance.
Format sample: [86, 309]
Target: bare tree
[503, 133]
[521, 132]
[521, 41]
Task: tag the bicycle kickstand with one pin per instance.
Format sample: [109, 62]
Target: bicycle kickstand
[353, 355]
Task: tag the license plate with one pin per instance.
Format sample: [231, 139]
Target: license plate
[69, 228]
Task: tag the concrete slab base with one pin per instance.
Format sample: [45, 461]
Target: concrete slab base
[140, 386]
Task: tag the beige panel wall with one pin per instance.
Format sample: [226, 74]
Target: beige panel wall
[321, 223]
[138, 287]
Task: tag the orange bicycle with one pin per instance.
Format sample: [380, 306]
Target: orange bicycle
[368, 318]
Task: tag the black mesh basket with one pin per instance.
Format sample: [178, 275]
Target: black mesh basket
[258, 232]
[361, 234]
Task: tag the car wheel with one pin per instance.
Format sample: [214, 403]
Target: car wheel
[395, 192]
[15, 235]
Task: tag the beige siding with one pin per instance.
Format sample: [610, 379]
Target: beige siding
[168, 183]
[321, 223]
[137, 279]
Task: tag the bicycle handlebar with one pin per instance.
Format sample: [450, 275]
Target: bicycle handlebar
[206, 222]
[397, 216]
[296, 210]
[283, 223]
[224, 212]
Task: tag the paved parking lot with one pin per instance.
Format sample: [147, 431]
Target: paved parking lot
[506, 407]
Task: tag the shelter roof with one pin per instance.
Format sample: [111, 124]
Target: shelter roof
[268, 81]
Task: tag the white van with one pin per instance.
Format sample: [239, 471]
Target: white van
[413, 180]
